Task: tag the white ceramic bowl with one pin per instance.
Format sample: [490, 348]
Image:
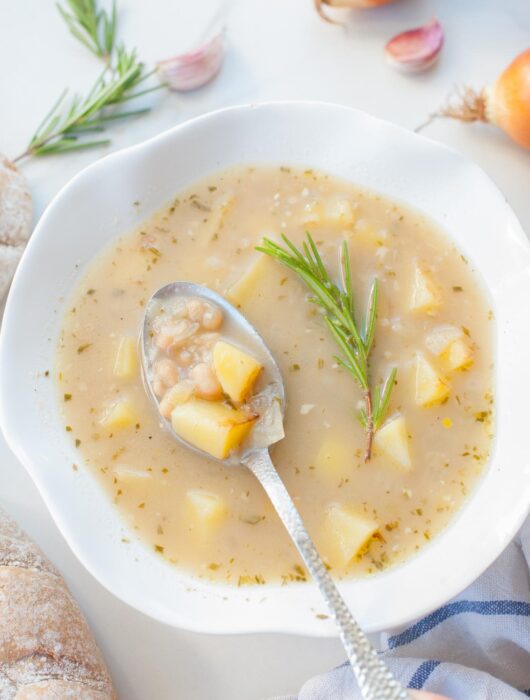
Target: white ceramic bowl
[98, 205]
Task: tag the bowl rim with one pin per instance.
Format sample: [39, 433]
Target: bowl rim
[14, 437]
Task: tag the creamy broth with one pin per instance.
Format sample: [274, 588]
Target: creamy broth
[434, 324]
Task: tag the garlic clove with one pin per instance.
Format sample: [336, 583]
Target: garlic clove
[194, 69]
[416, 49]
[348, 4]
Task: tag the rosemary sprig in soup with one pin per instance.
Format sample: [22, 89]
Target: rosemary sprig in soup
[354, 339]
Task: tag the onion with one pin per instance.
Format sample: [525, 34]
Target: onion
[506, 103]
[352, 4]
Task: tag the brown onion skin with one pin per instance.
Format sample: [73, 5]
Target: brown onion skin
[509, 100]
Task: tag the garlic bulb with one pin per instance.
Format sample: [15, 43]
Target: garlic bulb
[416, 49]
[194, 69]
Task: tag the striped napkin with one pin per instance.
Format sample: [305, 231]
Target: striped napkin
[477, 647]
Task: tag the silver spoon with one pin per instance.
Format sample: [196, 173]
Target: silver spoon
[374, 679]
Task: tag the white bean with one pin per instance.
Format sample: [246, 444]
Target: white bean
[172, 336]
[207, 385]
[166, 371]
[184, 358]
[195, 309]
[159, 388]
[212, 317]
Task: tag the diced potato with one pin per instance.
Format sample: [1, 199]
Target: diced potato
[333, 211]
[366, 233]
[216, 218]
[236, 370]
[393, 441]
[426, 295]
[207, 507]
[127, 475]
[121, 415]
[337, 210]
[459, 355]
[126, 362]
[431, 387]
[311, 213]
[130, 268]
[438, 340]
[451, 345]
[349, 533]
[255, 281]
[179, 393]
[213, 427]
[334, 458]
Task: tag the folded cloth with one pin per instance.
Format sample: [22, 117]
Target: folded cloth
[477, 647]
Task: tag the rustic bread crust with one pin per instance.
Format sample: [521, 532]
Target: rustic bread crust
[16, 213]
[46, 648]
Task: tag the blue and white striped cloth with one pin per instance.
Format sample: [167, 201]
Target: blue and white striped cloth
[477, 647]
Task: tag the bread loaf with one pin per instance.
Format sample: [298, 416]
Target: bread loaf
[16, 213]
[46, 648]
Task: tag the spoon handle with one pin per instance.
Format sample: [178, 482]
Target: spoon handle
[374, 679]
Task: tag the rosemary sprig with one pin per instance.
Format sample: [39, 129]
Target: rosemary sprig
[93, 27]
[66, 126]
[355, 340]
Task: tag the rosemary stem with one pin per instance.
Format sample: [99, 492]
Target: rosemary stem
[20, 156]
[369, 425]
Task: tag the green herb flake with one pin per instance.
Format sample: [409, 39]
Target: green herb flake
[482, 416]
[159, 548]
[67, 397]
[83, 347]
[251, 519]
[199, 205]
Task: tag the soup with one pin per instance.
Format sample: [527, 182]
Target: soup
[434, 324]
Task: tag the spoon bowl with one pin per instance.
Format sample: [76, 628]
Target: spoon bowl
[242, 328]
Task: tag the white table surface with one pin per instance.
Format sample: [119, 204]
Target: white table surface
[277, 49]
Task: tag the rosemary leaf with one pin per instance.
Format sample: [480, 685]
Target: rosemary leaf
[92, 27]
[64, 127]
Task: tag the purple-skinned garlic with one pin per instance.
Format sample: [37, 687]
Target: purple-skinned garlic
[417, 49]
[194, 69]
